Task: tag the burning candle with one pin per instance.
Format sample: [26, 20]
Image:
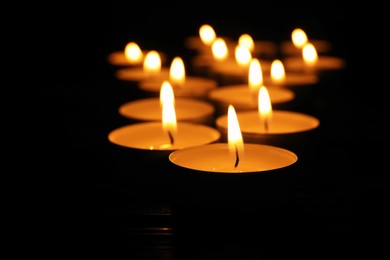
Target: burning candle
[151, 70]
[233, 157]
[164, 135]
[298, 39]
[183, 85]
[244, 96]
[203, 41]
[278, 76]
[187, 109]
[281, 128]
[150, 136]
[311, 62]
[301, 83]
[234, 174]
[218, 52]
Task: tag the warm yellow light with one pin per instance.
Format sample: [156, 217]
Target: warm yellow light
[299, 37]
[177, 71]
[309, 54]
[246, 40]
[243, 55]
[219, 49]
[255, 76]
[235, 140]
[133, 53]
[278, 74]
[207, 34]
[167, 101]
[264, 105]
[152, 63]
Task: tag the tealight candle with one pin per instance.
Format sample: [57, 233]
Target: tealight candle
[277, 76]
[187, 109]
[152, 69]
[183, 85]
[216, 158]
[311, 62]
[281, 128]
[298, 39]
[149, 136]
[244, 96]
[234, 156]
[148, 145]
[301, 83]
[218, 51]
[204, 39]
[239, 172]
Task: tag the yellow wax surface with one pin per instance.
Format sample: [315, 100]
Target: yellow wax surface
[149, 109]
[138, 74]
[193, 86]
[297, 63]
[118, 58]
[151, 136]
[240, 96]
[282, 122]
[217, 158]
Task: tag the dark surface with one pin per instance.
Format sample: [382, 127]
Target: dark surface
[87, 201]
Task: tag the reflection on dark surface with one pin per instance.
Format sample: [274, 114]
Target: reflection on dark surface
[93, 201]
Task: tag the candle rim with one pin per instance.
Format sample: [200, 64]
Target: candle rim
[215, 135]
[219, 94]
[315, 120]
[174, 155]
[208, 109]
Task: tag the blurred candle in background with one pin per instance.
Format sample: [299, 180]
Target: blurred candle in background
[298, 39]
[310, 62]
[151, 69]
[183, 85]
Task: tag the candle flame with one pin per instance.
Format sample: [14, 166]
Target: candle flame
[243, 55]
[264, 106]
[219, 49]
[133, 53]
[299, 38]
[246, 40]
[152, 63]
[235, 140]
[177, 72]
[309, 54]
[255, 77]
[207, 34]
[278, 74]
[167, 101]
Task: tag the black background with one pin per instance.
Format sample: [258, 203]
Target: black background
[73, 202]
